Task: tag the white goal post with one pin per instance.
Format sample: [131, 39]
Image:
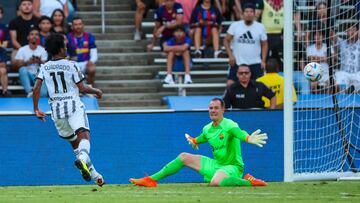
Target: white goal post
[322, 130]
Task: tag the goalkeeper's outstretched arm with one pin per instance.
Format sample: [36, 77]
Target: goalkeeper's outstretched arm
[257, 138]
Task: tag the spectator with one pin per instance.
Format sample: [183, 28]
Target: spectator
[45, 27]
[276, 83]
[4, 32]
[248, 45]
[47, 7]
[317, 52]
[59, 21]
[247, 93]
[206, 19]
[235, 8]
[21, 26]
[167, 17]
[178, 51]
[4, 41]
[142, 8]
[273, 20]
[259, 7]
[29, 58]
[349, 73]
[320, 22]
[188, 7]
[84, 45]
[3, 73]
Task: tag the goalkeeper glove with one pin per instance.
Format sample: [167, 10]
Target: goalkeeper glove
[192, 141]
[257, 138]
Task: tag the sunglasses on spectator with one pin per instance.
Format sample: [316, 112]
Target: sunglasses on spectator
[243, 73]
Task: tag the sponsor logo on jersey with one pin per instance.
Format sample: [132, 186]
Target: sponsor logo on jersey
[221, 136]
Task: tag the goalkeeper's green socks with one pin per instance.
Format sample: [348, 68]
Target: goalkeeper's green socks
[169, 169]
[233, 181]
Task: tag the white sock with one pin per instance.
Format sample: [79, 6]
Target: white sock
[84, 150]
[93, 173]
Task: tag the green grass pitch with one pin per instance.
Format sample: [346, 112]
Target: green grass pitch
[329, 192]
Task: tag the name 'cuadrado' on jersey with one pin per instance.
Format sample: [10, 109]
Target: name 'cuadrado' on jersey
[61, 78]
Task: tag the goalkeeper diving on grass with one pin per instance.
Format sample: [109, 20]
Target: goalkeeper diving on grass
[226, 169]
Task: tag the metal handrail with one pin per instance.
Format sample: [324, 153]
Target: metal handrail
[102, 16]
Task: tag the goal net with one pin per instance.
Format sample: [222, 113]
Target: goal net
[326, 118]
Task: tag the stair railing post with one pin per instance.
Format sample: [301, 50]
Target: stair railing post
[102, 16]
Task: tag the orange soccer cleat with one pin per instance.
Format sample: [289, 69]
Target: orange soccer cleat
[254, 181]
[147, 181]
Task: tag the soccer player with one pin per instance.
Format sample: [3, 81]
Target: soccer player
[224, 136]
[64, 80]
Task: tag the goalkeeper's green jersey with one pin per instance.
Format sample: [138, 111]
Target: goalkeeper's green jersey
[224, 140]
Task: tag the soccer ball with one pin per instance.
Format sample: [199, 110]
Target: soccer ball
[313, 71]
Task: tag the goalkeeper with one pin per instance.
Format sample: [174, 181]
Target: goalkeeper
[226, 169]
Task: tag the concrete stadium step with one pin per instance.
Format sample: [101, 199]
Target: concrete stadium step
[113, 36]
[130, 103]
[134, 96]
[98, 2]
[128, 69]
[120, 49]
[114, 29]
[120, 43]
[127, 56]
[128, 76]
[117, 62]
[133, 107]
[127, 83]
[108, 21]
[114, 90]
[108, 7]
[108, 14]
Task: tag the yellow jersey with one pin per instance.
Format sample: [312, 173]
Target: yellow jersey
[272, 20]
[276, 83]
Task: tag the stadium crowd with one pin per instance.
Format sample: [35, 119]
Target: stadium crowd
[188, 29]
[254, 40]
[25, 36]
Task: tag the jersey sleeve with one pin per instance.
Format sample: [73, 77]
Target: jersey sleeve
[77, 75]
[188, 41]
[268, 93]
[194, 20]
[179, 9]
[263, 36]
[201, 138]
[218, 17]
[40, 74]
[20, 55]
[238, 133]
[231, 30]
[227, 98]
[92, 44]
[44, 55]
[157, 15]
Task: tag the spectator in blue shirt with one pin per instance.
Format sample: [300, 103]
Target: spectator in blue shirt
[178, 53]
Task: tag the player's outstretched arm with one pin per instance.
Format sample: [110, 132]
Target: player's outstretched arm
[89, 90]
[191, 141]
[257, 138]
[36, 95]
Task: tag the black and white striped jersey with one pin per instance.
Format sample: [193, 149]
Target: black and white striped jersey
[61, 77]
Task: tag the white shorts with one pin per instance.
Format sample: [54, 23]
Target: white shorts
[348, 79]
[69, 127]
[82, 66]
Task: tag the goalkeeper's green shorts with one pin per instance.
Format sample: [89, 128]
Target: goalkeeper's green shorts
[209, 167]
